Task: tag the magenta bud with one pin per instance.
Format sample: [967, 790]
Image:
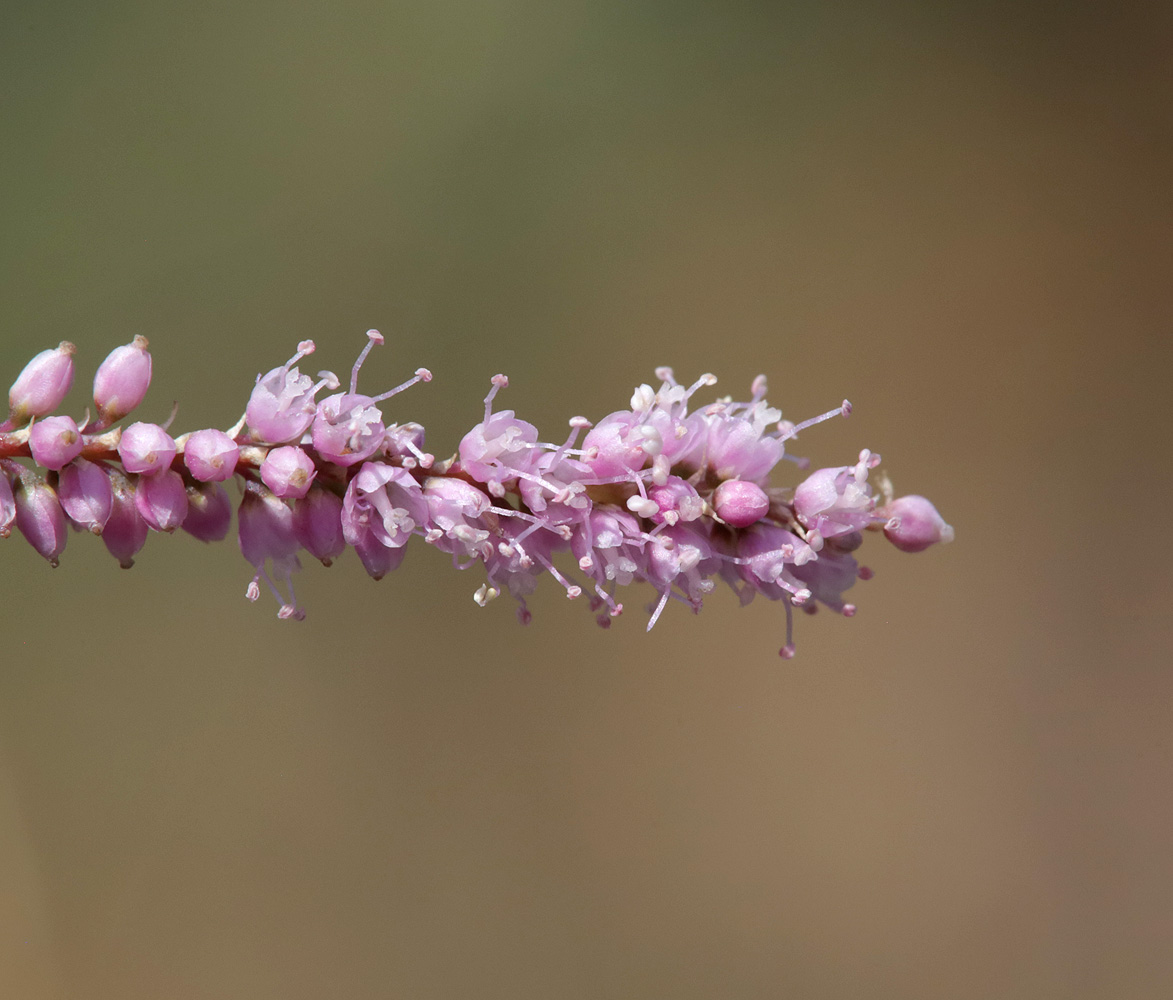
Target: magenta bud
[7, 506]
[39, 516]
[317, 523]
[146, 448]
[264, 526]
[288, 472]
[43, 384]
[739, 503]
[55, 442]
[85, 494]
[209, 512]
[125, 532]
[121, 380]
[161, 500]
[914, 524]
[376, 558]
[210, 456]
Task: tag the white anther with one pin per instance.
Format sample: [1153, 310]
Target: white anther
[642, 506]
[642, 399]
[484, 593]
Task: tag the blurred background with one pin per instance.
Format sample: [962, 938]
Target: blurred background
[958, 217]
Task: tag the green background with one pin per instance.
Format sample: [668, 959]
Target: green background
[957, 216]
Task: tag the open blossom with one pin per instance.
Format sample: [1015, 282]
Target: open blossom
[666, 492]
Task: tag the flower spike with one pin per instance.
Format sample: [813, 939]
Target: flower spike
[664, 492]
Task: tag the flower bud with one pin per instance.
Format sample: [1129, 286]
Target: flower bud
[161, 500]
[85, 494]
[210, 456]
[7, 506]
[317, 524]
[739, 503]
[209, 512]
[55, 442]
[288, 472]
[121, 380]
[40, 388]
[146, 448]
[125, 532]
[376, 558]
[39, 516]
[914, 524]
[264, 527]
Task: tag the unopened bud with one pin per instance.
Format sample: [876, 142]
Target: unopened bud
[54, 442]
[161, 500]
[210, 456]
[40, 388]
[146, 448]
[209, 512]
[85, 494]
[739, 503]
[914, 524]
[7, 506]
[39, 516]
[125, 532]
[288, 472]
[121, 381]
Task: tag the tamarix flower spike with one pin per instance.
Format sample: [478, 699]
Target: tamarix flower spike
[664, 492]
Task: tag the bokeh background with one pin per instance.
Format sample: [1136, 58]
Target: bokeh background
[957, 216]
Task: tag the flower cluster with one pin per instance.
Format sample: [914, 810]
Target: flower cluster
[663, 492]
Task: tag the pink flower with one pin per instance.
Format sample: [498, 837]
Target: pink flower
[913, 524]
[40, 388]
[121, 381]
[660, 494]
[39, 516]
[146, 448]
[86, 495]
[55, 442]
[210, 456]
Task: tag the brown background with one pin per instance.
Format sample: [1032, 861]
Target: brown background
[958, 216]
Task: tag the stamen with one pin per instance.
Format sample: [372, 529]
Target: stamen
[843, 410]
[659, 608]
[304, 348]
[327, 379]
[787, 651]
[373, 338]
[499, 382]
[421, 375]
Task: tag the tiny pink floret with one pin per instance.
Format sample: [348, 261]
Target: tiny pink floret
[211, 456]
[55, 442]
[913, 524]
[43, 384]
[288, 471]
[146, 448]
[122, 380]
